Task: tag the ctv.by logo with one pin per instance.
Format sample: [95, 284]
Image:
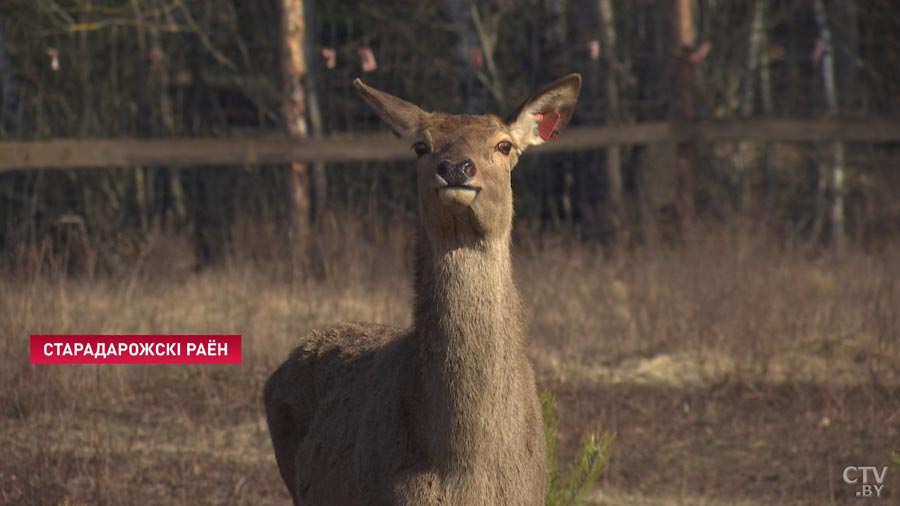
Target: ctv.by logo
[869, 478]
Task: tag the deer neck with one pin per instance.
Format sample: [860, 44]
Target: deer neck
[470, 342]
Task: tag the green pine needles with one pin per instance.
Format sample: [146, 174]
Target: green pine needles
[585, 470]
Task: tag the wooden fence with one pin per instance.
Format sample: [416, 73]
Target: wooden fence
[68, 153]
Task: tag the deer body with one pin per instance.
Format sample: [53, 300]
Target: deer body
[447, 412]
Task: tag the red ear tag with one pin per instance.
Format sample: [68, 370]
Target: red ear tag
[547, 122]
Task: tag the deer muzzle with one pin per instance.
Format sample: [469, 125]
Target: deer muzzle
[456, 174]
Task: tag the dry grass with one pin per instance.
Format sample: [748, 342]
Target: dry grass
[732, 370]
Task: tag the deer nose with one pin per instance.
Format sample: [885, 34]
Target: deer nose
[456, 174]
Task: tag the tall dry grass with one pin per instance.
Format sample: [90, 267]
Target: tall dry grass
[194, 434]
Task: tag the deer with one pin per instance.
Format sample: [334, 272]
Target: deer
[446, 412]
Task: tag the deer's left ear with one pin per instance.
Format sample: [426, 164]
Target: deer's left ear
[545, 113]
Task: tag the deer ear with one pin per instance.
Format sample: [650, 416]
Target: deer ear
[404, 118]
[545, 113]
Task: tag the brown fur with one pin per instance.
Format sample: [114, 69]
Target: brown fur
[447, 412]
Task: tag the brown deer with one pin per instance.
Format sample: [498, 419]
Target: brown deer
[446, 412]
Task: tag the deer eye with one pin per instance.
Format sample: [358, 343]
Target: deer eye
[504, 147]
[420, 148]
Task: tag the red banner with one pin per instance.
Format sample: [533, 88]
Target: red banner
[135, 349]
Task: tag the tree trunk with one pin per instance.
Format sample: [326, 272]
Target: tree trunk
[765, 91]
[614, 117]
[474, 98]
[487, 40]
[293, 69]
[848, 59]
[744, 159]
[837, 147]
[160, 83]
[319, 181]
[683, 107]
[10, 110]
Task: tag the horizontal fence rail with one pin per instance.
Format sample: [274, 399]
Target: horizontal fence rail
[127, 152]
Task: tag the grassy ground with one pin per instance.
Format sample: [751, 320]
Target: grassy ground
[732, 371]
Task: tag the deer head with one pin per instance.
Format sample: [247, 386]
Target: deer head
[464, 162]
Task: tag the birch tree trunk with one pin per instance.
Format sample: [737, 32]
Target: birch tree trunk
[293, 70]
[837, 147]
